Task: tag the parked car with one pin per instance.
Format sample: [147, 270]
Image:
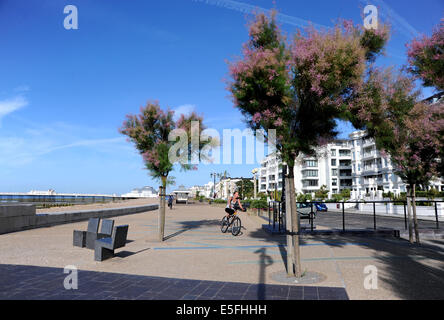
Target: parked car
[321, 206]
[305, 208]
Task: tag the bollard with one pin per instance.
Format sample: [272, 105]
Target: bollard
[374, 215]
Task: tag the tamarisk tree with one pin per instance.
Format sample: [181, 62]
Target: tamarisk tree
[154, 133]
[299, 88]
[406, 129]
[426, 62]
[426, 58]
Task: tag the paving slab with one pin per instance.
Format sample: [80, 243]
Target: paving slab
[206, 260]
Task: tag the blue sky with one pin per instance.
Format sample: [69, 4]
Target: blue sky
[64, 93]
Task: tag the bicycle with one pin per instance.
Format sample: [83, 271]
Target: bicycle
[234, 221]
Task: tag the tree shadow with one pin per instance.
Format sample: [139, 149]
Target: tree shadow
[410, 271]
[125, 253]
[265, 261]
[192, 225]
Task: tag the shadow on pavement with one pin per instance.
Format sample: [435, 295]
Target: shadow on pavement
[192, 225]
[265, 261]
[412, 271]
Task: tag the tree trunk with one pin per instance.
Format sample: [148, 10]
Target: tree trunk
[296, 266]
[162, 210]
[290, 267]
[415, 220]
[409, 211]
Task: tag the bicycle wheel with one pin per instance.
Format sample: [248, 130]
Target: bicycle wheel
[224, 225]
[236, 226]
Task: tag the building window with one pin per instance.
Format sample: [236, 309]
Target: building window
[333, 152]
[333, 162]
[310, 183]
[310, 173]
[344, 153]
[311, 163]
[334, 182]
[334, 172]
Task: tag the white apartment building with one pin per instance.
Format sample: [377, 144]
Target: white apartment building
[373, 172]
[226, 187]
[331, 166]
[353, 164]
[205, 190]
[269, 175]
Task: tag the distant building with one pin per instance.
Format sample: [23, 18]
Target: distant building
[49, 192]
[202, 190]
[353, 164]
[145, 192]
[181, 194]
[330, 166]
[226, 187]
[373, 173]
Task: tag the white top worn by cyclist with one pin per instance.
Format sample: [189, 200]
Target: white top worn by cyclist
[233, 204]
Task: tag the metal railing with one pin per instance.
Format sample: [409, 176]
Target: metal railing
[276, 211]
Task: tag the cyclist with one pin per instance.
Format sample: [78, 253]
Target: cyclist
[233, 204]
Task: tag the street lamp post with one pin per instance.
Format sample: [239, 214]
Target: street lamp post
[254, 172]
[214, 184]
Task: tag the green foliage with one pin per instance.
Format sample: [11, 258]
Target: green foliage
[150, 130]
[245, 188]
[426, 58]
[303, 197]
[337, 197]
[259, 204]
[262, 196]
[322, 193]
[299, 89]
[345, 193]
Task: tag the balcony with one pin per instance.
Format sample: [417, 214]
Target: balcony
[345, 165]
[344, 154]
[370, 155]
[371, 170]
[368, 143]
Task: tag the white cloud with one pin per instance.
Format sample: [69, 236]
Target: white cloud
[31, 141]
[184, 109]
[251, 9]
[11, 105]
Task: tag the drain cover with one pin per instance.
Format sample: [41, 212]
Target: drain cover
[307, 278]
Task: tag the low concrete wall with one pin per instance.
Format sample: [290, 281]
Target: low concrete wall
[23, 216]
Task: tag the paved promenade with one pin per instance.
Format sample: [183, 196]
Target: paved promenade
[44, 283]
[240, 267]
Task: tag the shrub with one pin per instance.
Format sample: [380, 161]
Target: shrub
[303, 197]
[259, 204]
